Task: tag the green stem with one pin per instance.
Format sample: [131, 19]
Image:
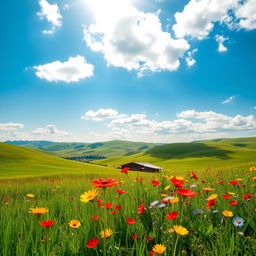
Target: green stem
[104, 224]
[175, 246]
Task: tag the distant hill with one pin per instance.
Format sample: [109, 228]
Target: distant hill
[199, 155]
[87, 151]
[16, 161]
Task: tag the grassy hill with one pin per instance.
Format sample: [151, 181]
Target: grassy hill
[107, 149]
[222, 153]
[16, 161]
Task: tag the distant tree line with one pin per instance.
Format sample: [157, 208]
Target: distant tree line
[86, 158]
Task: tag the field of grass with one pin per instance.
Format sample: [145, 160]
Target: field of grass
[154, 205]
[180, 157]
[69, 149]
[17, 162]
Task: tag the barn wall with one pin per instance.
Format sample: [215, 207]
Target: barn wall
[139, 168]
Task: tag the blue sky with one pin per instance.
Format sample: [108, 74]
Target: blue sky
[160, 71]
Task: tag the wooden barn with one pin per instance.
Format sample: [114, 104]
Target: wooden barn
[141, 167]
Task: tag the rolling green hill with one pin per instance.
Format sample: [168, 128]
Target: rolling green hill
[16, 161]
[107, 149]
[222, 153]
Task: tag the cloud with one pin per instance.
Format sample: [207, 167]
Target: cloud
[73, 70]
[246, 13]
[220, 40]
[51, 13]
[190, 60]
[229, 99]
[198, 17]
[132, 39]
[100, 115]
[50, 129]
[188, 122]
[10, 126]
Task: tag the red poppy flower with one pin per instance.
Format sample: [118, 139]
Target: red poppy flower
[99, 200]
[92, 243]
[124, 170]
[95, 217]
[134, 236]
[113, 212]
[155, 183]
[118, 207]
[186, 192]
[233, 202]
[149, 238]
[99, 205]
[171, 215]
[226, 196]
[233, 182]
[194, 176]
[141, 209]
[52, 181]
[203, 181]
[46, 223]
[221, 182]
[104, 183]
[247, 196]
[108, 205]
[130, 221]
[151, 252]
[120, 191]
[177, 183]
[211, 203]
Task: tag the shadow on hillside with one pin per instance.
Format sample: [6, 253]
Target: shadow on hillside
[188, 150]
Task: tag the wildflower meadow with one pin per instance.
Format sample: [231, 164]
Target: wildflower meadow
[204, 213]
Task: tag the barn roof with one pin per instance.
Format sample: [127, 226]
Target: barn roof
[148, 165]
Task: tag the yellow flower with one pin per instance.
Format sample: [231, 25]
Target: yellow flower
[174, 200]
[231, 193]
[89, 196]
[164, 195]
[213, 196]
[107, 233]
[30, 195]
[167, 187]
[74, 223]
[38, 211]
[171, 230]
[180, 230]
[253, 168]
[239, 179]
[179, 178]
[208, 189]
[159, 248]
[227, 213]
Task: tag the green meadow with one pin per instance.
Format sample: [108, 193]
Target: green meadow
[181, 157]
[209, 212]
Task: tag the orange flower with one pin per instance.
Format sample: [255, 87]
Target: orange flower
[104, 183]
[38, 211]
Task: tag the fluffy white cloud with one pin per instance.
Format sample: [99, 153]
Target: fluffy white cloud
[220, 40]
[51, 13]
[50, 129]
[246, 13]
[187, 122]
[132, 39]
[73, 70]
[101, 114]
[10, 126]
[229, 99]
[199, 16]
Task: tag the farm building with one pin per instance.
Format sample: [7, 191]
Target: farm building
[141, 167]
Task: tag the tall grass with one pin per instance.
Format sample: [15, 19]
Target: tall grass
[210, 233]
